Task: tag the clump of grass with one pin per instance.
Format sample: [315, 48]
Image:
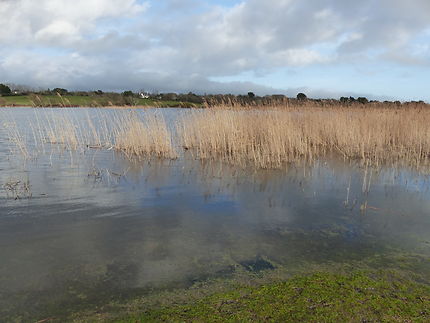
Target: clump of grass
[17, 138]
[18, 189]
[61, 130]
[149, 136]
[272, 138]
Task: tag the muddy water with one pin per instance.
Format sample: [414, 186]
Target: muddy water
[79, 229]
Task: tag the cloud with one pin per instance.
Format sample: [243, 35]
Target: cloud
[28, 22]
[182, 45]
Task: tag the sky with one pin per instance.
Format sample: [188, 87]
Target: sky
[325, 48]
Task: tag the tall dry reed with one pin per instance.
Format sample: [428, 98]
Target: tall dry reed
[261, 137]
[270, 139]
[144, 137]
[16, 138]
[134, 134]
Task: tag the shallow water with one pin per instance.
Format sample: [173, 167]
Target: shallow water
[91, 226]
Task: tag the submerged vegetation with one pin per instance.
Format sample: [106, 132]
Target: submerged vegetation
[336, 294]
[130, 133]
[147, 137]
[262, 138]
[321, 297]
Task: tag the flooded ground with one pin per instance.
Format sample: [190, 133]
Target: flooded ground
[87, 227]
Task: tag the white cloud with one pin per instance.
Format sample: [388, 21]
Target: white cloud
[29, 22]
[57, 30]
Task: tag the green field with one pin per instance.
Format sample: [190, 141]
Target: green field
[86, 101]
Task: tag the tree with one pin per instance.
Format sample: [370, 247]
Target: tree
[190, 97]
[5, 90]
[127, 93]
[170, 96]
[362, 100]
[60, 91]
[301, 96]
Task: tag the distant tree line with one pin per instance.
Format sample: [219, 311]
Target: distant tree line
[130, 97]
[301, 99]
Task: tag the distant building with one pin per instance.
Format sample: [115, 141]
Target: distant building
[144, 95]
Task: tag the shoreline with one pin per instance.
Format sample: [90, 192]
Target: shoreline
[101, 107]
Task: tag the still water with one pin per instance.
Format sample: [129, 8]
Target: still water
[80, 228]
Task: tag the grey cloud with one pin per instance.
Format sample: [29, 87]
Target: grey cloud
[271, 34]
[389, 24]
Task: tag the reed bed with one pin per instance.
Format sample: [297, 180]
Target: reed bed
[16, 138]
[259, 137]
[273, 138]
[136, 135]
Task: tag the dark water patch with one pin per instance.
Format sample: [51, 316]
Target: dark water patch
[256, 265]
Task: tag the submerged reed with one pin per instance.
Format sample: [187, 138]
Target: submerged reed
[141, 135]
[263, 138]
[270, 139]
[144, 137]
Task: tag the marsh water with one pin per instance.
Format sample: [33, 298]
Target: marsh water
[83, 228]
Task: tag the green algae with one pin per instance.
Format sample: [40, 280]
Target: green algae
[321, 297]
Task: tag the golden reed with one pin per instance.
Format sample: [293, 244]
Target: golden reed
[146, 135]
[271, 138]
[262, 137]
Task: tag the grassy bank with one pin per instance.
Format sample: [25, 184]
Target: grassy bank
[86, 101]
[320, 297]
